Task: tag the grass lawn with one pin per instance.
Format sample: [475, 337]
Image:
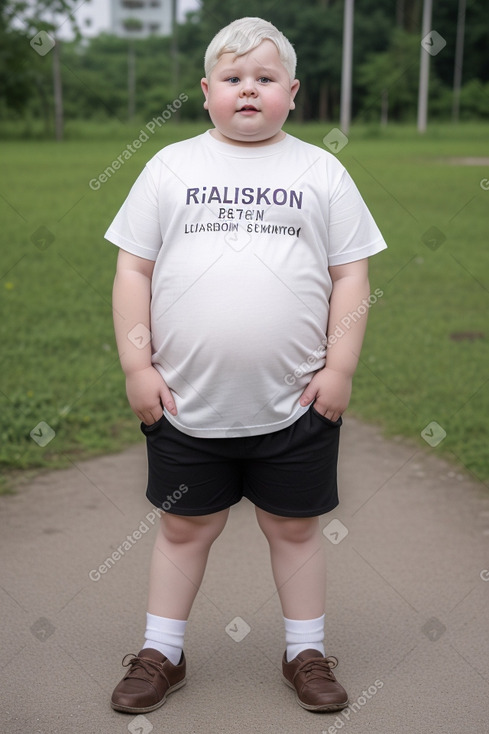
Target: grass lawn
[426, 351]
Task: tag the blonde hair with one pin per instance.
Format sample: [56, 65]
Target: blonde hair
[245, 34]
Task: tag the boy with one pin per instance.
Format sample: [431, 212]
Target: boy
[241, 250]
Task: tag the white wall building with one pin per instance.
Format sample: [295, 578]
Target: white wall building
[140, 18]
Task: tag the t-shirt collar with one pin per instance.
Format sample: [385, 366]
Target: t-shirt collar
[245, 151]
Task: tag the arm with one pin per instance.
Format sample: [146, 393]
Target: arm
[331, 386]
[146, 390]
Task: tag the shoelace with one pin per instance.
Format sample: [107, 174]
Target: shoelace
[319, 668]
[137, 663]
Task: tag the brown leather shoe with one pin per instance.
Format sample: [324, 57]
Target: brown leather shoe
[149, 680]
[311, 675]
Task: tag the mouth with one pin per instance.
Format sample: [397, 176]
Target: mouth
[248, 108]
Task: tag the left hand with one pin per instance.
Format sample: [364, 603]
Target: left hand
[331, 391]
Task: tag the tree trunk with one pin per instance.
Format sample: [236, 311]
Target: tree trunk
[58, 92]
[45, 108]
[323, 101]
[400, 13]
[131, 81]
[459, 60]
[384, 109]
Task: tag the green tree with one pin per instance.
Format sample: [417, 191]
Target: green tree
[16, 80]
[389, 80]
[385, 64]
[38, 20]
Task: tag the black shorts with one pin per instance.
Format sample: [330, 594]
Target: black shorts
[291, 472]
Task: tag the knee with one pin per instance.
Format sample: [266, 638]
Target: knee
[288, 529]
[203, 529]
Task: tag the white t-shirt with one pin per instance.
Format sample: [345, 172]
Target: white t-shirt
[242, 238]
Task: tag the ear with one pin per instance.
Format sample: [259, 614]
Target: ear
[205, 88]
[294, 88]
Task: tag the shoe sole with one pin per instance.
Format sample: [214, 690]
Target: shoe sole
[312, 707]
[146, 709]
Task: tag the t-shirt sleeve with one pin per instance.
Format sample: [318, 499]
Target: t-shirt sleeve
[136, 226]
[353, 233]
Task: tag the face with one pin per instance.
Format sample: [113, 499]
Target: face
[249, 97]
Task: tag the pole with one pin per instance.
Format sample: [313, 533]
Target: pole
[459, 60]
[346, 68]
[174, 49]
[131, 80]
[58, 92]
[424, 71]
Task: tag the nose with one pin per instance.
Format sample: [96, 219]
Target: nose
[248, 88]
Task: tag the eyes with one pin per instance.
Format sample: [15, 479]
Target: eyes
[236, 80]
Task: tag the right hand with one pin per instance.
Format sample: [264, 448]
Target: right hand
[148, 393]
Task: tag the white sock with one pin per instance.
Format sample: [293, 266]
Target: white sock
[166, 636]
[304, 634]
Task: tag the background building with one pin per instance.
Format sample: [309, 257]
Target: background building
[140, 18]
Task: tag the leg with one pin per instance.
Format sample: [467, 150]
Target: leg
[179, 560]
[299, 570]
[177, 568]
[298, 563]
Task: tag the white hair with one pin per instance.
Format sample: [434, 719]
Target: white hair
[245, 34]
